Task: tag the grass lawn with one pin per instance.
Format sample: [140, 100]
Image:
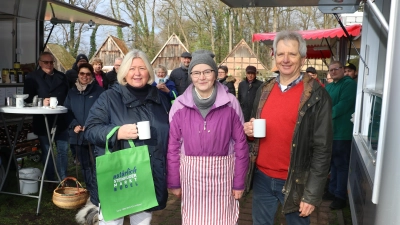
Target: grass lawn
[22, 210]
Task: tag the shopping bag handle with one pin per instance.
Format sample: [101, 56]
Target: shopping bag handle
[111, 133]
[174, 94]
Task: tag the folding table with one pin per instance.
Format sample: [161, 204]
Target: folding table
[12, 143]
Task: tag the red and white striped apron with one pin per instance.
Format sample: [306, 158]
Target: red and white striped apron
[207, 190]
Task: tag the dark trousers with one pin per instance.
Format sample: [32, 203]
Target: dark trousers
[87, 166]
[340, 168]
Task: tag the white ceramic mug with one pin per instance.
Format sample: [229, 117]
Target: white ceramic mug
[19, 102]
[53, 102]
[143, 130]
[259, 128]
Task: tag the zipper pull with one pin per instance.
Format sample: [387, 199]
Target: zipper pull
[205, 123]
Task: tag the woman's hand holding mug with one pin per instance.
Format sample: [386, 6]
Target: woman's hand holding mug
[127, 132]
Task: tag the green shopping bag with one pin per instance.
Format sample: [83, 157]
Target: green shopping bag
[125, 181]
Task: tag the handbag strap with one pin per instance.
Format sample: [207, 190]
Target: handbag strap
[110, 134]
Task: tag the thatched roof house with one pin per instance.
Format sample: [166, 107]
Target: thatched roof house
[170, 53]
[239, 58]
[63, 60]
[111, 49]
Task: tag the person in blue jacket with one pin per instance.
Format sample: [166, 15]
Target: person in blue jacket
[131, 100]
[80, 99]
[162, 82]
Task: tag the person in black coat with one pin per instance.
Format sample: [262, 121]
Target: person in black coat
[125, 104]
[228, 81]
[180, 75]
[112, 75]
[72, 74]
[247, 91]
[80, 99]
[99, 75]
[47, 82]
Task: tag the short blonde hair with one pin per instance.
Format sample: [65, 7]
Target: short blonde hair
[126, 65]
[97, 60]
[161, 67]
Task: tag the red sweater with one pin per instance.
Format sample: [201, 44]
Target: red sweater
[280, 111]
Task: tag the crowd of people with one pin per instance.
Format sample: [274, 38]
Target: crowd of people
[202, 141]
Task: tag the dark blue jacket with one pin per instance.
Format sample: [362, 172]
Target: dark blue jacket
[171, 86]
[118, 106]
[35, 84]
[79, 104]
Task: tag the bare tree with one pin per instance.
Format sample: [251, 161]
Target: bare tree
[115, 10]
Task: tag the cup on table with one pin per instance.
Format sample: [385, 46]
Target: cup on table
[143, 130]
[10, 101]
[259, 128]
[19, 102]
[53, 102]
[40, 102]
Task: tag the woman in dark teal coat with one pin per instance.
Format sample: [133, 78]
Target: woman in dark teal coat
[79, 100]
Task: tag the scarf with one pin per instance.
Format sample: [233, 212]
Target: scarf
[82, 87]
[204, 105]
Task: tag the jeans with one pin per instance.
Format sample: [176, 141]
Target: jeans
[61, 140]
[267, 193]
[340, 168]
[83, 154]
[140, 218]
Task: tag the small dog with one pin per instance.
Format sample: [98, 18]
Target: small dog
[88, 215]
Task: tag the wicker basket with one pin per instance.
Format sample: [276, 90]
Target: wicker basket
[70, 197]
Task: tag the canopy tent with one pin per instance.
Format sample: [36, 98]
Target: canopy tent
[353, 30]
[315, 51]
[61, 12]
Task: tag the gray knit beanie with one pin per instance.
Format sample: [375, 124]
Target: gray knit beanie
[203, 57]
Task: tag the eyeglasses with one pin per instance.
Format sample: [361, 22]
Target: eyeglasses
[334, 69]
[116, 65]
[207, 73]
[83, 74]
[47, 62]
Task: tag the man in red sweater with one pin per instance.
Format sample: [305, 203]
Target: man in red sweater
[292, 161]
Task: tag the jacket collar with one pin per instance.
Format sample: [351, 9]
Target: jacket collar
[131, 101]
[88, 88]
[58, 77]
[186, 98]
[310, 85]
[342, 80]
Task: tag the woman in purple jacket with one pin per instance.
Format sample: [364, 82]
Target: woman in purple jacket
[207, 151]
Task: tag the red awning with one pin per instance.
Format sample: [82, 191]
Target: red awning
[318, 52]
[315, 52]
[353, 30]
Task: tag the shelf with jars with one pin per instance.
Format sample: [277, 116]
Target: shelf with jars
[16, 75]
